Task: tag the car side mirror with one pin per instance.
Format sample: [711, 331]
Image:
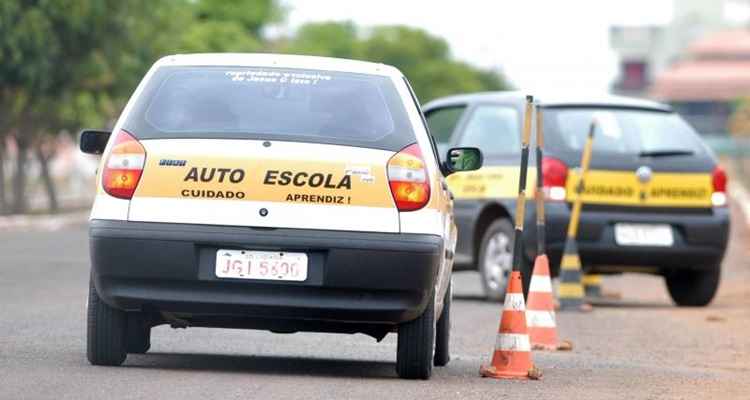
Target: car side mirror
[93, 141]
[461, 159]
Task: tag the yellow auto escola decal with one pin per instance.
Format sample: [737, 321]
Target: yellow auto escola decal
[490, 182]
[624, 188]
[274, 180]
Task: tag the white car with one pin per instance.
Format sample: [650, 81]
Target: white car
[275, 192]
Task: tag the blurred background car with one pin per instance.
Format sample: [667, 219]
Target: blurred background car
[655, 197]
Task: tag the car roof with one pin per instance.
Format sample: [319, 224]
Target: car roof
[551, 100]
[279, 61]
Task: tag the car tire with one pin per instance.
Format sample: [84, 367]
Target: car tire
[443, 331]
[498, 240]
[693, 288]
[138, 340]
[105, 333]
[416, 342]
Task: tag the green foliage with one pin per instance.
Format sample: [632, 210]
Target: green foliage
[73, 63]
[404, 46]
[424, 59]
[250, 15]
[328, 39]
[218, 36]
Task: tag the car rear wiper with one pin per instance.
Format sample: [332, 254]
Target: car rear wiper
[665, 153]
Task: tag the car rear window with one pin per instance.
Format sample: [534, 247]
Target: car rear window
[620, 131]
[272, 103]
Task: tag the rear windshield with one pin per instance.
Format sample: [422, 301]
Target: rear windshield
[621, 131]
[272, 103]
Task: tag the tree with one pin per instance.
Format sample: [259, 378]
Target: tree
[424, 59]
[65, 64]
[328, 39]
[52, 53]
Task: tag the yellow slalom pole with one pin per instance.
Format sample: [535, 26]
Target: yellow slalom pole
[575, 215]
[521, 201]
[570, 290]
[541, 242]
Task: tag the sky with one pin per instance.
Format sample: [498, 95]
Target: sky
[548, 46]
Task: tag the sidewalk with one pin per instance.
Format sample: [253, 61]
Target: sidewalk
[43, 222]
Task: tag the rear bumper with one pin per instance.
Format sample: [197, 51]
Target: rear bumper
[353, 277]
[700, 239]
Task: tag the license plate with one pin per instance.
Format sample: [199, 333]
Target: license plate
[267, 265]
[643, 235]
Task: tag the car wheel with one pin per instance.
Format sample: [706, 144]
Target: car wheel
[496, 260]
[105, 333]
[138, 340]
[693, 288]
[416, 342]
[443, 331]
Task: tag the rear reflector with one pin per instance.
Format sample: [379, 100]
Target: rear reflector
[719, 181]
[123, 167]
[407, 176]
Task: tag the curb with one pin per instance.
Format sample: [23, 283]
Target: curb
[42, 222]
[738, 192]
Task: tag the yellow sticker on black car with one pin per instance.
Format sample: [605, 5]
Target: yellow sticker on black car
[490, 182]
[662, 190]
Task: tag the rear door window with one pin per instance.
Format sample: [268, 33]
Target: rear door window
[443, 121]
[272, 103]
[494, 129]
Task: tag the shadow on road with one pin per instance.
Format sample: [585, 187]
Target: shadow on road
[629, 304]
[269, 365]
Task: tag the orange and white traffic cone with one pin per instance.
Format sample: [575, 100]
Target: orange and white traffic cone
[540, 309]
[512, 356]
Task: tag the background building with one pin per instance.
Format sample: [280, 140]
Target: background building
[699, 62]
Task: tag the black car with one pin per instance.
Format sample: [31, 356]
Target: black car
[655, 198]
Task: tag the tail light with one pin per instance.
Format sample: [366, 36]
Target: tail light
[554, 175]
[407, 177]
[124, 166]
[719, 180]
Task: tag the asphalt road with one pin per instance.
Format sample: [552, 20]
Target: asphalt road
[636, 348]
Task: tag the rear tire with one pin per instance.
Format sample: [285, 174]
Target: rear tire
[105, 333]
[416, 342]
[138, 340]
[693, 288]
[495, 261]
[443, 331]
